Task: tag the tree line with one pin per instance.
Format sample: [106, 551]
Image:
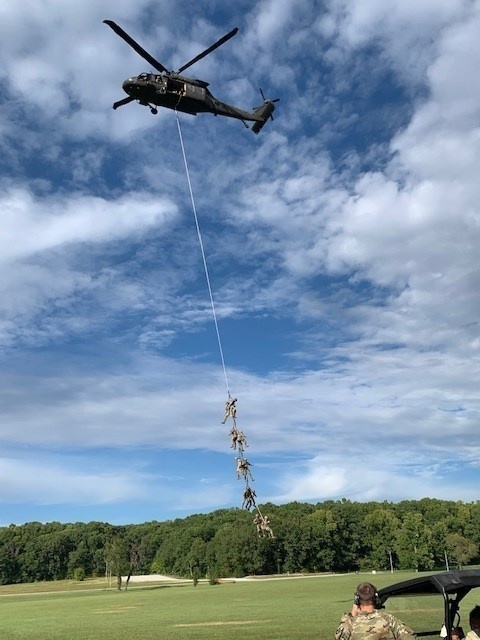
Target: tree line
[333, 535]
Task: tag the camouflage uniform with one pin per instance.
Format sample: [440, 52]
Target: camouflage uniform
[372, 625]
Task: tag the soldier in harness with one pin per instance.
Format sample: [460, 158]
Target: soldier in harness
[230, 410]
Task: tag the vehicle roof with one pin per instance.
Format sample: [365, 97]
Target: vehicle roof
[450, 582]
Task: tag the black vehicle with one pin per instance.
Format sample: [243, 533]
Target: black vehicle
[438, 611]
[171, 90]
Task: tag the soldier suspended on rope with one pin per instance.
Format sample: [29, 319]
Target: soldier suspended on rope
[243, 468]
[249, 496]
[230, 410]
[241, 441]
[234, 437]
[238, 439]
[263, 526]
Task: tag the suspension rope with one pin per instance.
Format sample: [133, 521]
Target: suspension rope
[238, 437]
[203, 254]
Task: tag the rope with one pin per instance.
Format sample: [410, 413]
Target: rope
[203, 254]
[230, 407]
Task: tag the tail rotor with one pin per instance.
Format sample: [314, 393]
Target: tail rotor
[264, 112]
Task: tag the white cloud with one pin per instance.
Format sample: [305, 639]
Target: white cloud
[40, 483]
[49, 248]
[53, 222]
[368, 479]
[406, 31]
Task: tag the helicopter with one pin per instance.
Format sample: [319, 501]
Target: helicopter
[171, 90]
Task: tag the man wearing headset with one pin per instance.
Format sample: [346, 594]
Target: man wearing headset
[366, 622]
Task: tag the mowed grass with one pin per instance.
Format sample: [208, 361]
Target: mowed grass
[293, 609]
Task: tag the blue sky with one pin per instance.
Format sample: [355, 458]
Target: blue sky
[342, 246]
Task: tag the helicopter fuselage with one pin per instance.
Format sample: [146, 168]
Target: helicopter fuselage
[177, 92]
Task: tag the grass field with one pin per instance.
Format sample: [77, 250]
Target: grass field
[293, 609]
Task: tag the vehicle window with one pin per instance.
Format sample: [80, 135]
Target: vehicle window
[423, 614]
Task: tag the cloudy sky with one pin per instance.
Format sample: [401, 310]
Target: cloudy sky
[341, 243]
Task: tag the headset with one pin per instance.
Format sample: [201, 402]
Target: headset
[375, 602]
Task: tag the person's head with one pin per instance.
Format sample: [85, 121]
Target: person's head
[475, 617]
[366, 594]
[457, 633]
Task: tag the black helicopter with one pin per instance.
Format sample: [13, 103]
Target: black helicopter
[171, 90]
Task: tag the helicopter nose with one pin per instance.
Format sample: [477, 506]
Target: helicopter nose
[129, 85]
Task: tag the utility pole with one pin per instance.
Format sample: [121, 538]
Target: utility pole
[391, 561]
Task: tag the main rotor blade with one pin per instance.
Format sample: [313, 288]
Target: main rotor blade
[209, 50]
[141, 52]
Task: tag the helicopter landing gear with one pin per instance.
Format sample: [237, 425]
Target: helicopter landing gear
[154, 111]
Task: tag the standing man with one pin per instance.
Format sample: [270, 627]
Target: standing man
[366, 622]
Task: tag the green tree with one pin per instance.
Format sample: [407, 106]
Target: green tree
[197, 559]
[414, 543]
[233, 551]
[10, 554]
[460, 549]
[80, 558]
[295, 546]
[134, 557]
[8, 564]
[117, 558]
[350, 544]
[381, 527]
[321, 532]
